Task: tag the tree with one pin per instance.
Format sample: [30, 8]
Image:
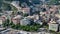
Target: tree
[33, 27]
[7, 0]
[17, 26]
[13, 26]
[6, 23]
[6, 6]
[25, 15]
[54, 2]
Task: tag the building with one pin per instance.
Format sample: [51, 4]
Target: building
[34, 17]
[25, 21]
[17, 19]
[53, 27]
[54, 9]
[3, 17]
[59, 11]
[24, 5]
[8, 12]
[42, 13]
[1, 22]
[26, 10]
[52, 21]
[39, 22]
[16, 4]
[57, 15]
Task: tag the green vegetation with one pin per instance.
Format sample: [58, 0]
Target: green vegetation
[25, 15]
[59, 33]
[13, 8]
[56, 2]
[8, 0]
[9, 7]
[6, 6]
[6, 23]
[27, 28]
[46, 26]
[33, 27]
[53, 32]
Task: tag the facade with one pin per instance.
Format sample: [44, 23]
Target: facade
[25, 21]
[9, 12]
[57, 15]
[59, 11]
[53, 27]
[34, 17]
[1, 21]
[45, 15]
[16, 20]
[52, 21]
[16, 4]
[26, 10]
[39, 22]
[3, 17]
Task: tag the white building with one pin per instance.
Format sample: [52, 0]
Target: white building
[39, 22]
[25, 21]
[16, 4]
[1, 22]
[53, 27]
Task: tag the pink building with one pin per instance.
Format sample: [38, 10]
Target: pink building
[17, 19]
[26, 10]
[3, 17]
